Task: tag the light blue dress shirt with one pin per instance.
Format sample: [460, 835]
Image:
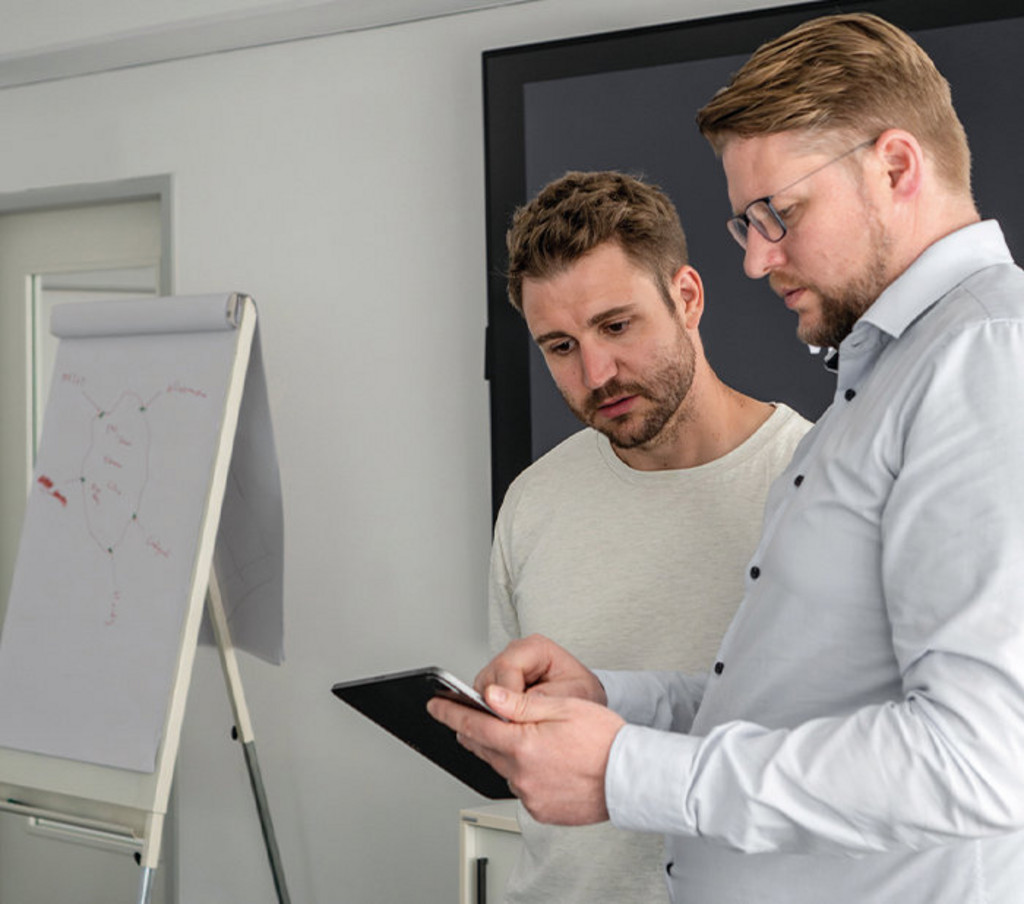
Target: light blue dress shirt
[861, 738]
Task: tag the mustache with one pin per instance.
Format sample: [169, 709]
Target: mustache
[611, 390]
[780, 283]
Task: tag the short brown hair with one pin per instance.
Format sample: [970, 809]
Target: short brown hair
[578, 212]
[854, 74]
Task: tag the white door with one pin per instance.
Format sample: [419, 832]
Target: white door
[48, 257]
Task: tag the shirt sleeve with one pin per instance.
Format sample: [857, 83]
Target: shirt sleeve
[942, 762]
[667, 701]
[503, 619]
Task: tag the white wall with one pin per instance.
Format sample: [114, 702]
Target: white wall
[340, 182]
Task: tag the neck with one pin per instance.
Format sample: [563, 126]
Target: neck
[932, 219]
[712, 421]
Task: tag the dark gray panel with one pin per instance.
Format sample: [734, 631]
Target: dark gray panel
[642, 121]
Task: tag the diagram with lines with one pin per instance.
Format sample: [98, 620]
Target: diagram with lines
[109, 489]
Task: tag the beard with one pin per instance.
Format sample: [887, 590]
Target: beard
[665, 388]
[842, 306]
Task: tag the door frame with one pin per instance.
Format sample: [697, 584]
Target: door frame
[144, 188]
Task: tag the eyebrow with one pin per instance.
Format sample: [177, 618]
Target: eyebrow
[601, 316]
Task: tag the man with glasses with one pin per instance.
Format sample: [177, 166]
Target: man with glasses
[861, 735]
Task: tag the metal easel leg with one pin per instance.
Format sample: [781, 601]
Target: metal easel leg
[266, 824]
[244, 733]
[145, 884]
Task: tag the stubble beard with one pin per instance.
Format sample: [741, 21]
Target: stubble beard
[666, 388]
[842, 307]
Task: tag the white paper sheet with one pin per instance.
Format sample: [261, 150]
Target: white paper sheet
[110, 536]
[249, 556]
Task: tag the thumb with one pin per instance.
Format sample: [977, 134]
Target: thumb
[518, 707]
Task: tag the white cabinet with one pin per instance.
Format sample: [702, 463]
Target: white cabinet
[489, 844]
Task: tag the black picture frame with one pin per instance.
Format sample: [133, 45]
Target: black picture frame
[567, 104]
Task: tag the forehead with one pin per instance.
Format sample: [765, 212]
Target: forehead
[604, 277]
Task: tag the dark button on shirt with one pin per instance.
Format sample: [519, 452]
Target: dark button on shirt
[755, 572]
[719, 668]
[849, 394]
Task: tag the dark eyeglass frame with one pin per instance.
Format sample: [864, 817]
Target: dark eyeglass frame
[761, 213]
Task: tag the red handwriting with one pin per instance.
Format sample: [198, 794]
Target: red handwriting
[113, 609]
[107, 460]
[47, 484]
[154, 544]
[113, 428]
[187, 390]
[73, 379]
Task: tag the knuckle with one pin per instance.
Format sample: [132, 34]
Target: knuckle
[524, 709]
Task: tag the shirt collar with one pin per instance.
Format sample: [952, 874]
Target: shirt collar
[941, 266]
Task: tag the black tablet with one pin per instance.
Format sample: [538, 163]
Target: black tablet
[398, 704]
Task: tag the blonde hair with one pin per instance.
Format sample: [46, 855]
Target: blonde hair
[579, 211]
[853, 74]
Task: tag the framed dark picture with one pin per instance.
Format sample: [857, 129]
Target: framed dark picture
[627, 100]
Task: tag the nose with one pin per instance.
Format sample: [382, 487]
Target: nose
[761, 256]
[597, 365]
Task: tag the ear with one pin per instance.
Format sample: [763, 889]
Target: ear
[688, 291]
[901, 160]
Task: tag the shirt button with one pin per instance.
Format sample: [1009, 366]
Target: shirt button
[755, 572]
[719, 668]
[849, 394]
[799, 479]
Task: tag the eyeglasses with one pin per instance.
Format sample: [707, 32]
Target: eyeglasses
[763, 216]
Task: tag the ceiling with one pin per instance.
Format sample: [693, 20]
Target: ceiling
[117, 34]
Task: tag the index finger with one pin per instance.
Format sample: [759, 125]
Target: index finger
[504, 673]
[522, 663]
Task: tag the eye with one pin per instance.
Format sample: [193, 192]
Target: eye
[560, 347]
[786, 212]
[617, 327]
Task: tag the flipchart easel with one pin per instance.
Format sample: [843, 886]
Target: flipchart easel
[129, 804]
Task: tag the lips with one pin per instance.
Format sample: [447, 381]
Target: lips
[789, 294]
[618, 406]
[791, 297]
